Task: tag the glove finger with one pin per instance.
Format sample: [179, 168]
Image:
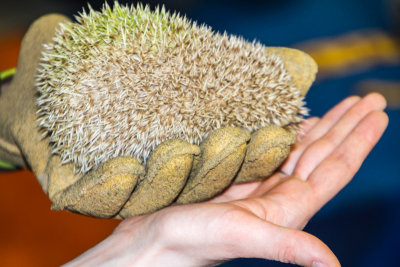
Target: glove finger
[166, 174]
[222, 154]
[268, 148]
[301, 66]
[101, 192]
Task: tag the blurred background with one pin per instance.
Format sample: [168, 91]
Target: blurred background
[356, 45]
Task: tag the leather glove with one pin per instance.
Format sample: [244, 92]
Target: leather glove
[176, 172]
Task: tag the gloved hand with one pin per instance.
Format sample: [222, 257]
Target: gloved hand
[176, 172]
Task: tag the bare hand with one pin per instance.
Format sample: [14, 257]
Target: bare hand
[259, 219]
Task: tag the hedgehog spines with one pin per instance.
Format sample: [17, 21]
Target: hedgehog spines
[123, 80]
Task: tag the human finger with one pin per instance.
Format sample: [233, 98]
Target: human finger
[321, 148]
[255, 238]
[236, 191]
[340, 166]
[318, 130]
[306, 126]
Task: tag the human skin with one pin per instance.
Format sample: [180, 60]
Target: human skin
[259, 219]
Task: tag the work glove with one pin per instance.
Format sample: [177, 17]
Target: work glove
[176, 171]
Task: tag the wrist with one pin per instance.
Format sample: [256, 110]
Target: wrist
[151, 243]
[133, 243]
[126, 246]
[141, 241]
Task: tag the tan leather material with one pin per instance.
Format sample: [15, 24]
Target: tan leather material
[301, 66]
[177, 172]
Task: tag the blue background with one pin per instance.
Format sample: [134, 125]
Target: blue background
[361, 224]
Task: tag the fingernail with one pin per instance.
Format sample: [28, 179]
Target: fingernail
[317, 264]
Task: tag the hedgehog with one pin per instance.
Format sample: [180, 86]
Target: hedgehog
[144, 108]
[122, 80]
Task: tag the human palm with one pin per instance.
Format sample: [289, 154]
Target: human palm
[259, 219]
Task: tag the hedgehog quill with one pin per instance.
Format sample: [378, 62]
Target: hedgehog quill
[122, 81]
[199, 109]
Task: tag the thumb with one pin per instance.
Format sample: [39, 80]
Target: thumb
[257, 238]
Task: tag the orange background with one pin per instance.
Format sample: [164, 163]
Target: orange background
[30, 233]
